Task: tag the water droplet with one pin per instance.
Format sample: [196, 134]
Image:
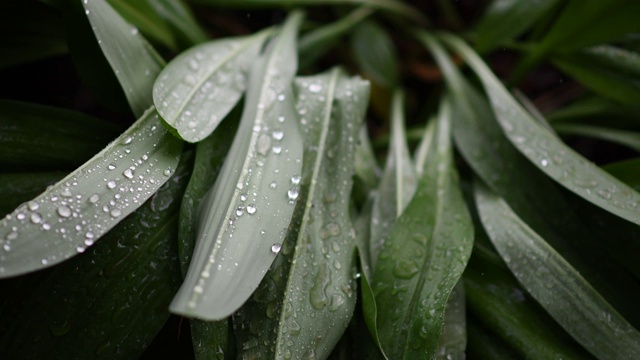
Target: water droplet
[191, 124]
[116, 212]
[128, 173]
[264, 144]
[278, 134]
[21, 216]
[295, 179]
[64, 211]
[251, 209]
[88, 242]
[277, 149]
[12, 235]
[111, 166]
[243, 197]
[544, 162]
[167, 172]
[281, 97]
[240, 211]
[315, 88]
[293, 194]
[275, 248]
[80, 249]
[33, 206]
[111, 184]
[281, 119]
[6, 247]
[134, 31]
[273, 185]
[36, 218]
[126, 140]
[45, 261]
[94, 198]
[46, 226]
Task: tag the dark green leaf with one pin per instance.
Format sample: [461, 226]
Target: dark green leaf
[181, 20]
[375, 53]
[453, 340]
[107, 303]
[626, 171]
[17, 188]
[36, 137]
[143, 16]
[506, 19]
[629, 139]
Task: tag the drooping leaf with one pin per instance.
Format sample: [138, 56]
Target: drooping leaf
[398, 183]
[113, 297]
[16, 188]
[572, 302]
[453, 340]
[630, 139]
[245, 215]
[201, 86]
[209, 338]
[504, 20]
[540, 203]
[611, 72]
[181, 20]
[73, 214]
[375, 53]
[35, 137]
[550, 155]
[29, 31]
[143, 16]
[424, 256]
[133, 60]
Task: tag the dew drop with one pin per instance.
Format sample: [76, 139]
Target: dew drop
[167, 172]
[240, 211]
[66, 193]
[127, 140]
[544, 162]
[278, 134]
[275, 248]
[134, 31]
[12, 235]
[115, 213]
[273, 185]
[64, 211]
[21, 216]
[7, 247]
[36, 218]
[111, 166]
[251, 209]
[111, 184]
[295, 179]
[46, 226]
[45, 261]
[281, 119]
[277, 149]
[33, 206]
[191, 124]
[94, 198]
[293, 194]
[315, 88]
[243, 197]
[128, 173]
[281, 97]
[80, 249]
[88, 242]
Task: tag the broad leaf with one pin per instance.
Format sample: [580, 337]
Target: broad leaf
[611, 72]
[577, 307]
[375, 53]
[36, 137]
[73, 214]
[133, 60]
[114, 297]
[245, 215]
[543, 149]
[398, 183]
[424, 256]
[201, 86]
[504, 20]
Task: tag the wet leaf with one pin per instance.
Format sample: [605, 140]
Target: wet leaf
[453, 340]
[424, 256]
[577, 307]
[16, 188]
[245, 215]
[201, 86]
[69, 217]
[543, 149]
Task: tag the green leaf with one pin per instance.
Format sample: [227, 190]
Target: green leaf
[424, 256]
[596, 110]
[244, 218]
[16, 188]
[375, 53]
[181, 20]
[453, 340]
[316, 43]
[36, 137]
[111, 301]
[626, 171]
[209, 338]
[581, 24]
[201, 86]
[485, 345]
[398, 183]
[29, 31]
[73, 214]
[392, 6]
[555, 284]
[134, 61]
[533, 195]
[630, 139]
[368, 172]
[609, 71]
[505, 20]
[543, 149]
[309, 296]
[143, 16]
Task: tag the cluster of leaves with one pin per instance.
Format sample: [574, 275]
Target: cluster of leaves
[249, 199]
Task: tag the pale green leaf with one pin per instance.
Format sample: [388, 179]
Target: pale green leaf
[424, 256]
[200, 87]
[398, 183]
[555, 284]
[453, 340]
[133, 60]
[78, 210]
[543, 149]
[246, 213]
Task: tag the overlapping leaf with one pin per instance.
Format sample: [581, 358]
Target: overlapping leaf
[199, 87]
[245, 215]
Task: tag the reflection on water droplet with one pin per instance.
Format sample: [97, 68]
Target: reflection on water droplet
[116, 212]
[36, 218]
[251, 209]
[126, 140]
[111, 184]
[315, 88]
[64, 211]
[128, 173]
[240, 211]
[88, 242]
[544, 162]
[33, 206]
[111, 166]
[21, 216]
[80, 249]
[273, 185]
[277, 149]
[295, 179]
[167, 172]
[278, 134]
[275, 248]
[94, 198]
[45, 261]
[293, 194]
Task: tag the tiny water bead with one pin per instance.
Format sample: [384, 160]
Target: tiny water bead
[126, 140]
[64, 211]
[111, 166]
[251, 209]
[94, 198]
[36, 218]
[111, 184]
[33, 206]
[275, 248]
[295, 180]
[315, 88]
[293, 193]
